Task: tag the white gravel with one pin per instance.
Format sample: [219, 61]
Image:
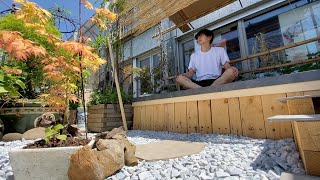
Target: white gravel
[5, 147]
[224, 157]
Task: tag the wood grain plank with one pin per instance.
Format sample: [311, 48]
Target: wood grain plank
[277, 89]
[136, 118]
[159, 117]
[180, 117]
[155, 119]
[308, 131]
[289, 94]
[149, 118]
[252, 117]
[220, 116]
[316, 92]
[169, 117]
[272, 107]
[204, 112]
[312, 158]
[143, 118]
[235, 116]
[302, 135]
[193, 118]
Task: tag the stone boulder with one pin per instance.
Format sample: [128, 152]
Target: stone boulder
[34, 133]
[12, 137]
[91, 164]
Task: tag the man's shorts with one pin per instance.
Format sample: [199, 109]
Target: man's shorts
[204, 83]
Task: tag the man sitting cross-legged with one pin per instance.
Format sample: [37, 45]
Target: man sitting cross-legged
[207, 65]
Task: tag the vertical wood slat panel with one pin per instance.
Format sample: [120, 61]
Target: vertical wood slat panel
[155, 119]
[158, 117]
[252, 117]
[180, 117]
[235, 116]
[204, 112]
[169, 117]
[137, 118]
[192, 117]
[143, 118]
[220, 116]
[149, 118]
[272, 107]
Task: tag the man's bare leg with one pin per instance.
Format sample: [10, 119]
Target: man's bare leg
[186, 82]
[227, 77]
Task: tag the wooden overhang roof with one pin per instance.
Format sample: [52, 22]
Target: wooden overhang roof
[140, 15]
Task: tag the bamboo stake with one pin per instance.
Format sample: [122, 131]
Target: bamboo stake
[124, 121]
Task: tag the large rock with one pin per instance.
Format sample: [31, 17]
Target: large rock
[120, 142]
[87, 164]
[1, 135]
[12, 137]
[34, 133]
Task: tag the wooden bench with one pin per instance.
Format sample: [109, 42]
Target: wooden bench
[306, 128]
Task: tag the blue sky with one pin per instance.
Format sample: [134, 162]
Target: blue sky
[71, 5]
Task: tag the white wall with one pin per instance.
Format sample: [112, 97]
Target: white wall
[140, 44]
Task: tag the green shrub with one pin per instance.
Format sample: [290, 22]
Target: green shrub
[109, 96]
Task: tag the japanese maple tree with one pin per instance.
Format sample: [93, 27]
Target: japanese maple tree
[61, 60]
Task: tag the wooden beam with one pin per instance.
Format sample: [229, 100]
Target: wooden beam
[276, 50]
[295, 62]
[297, 118]
[284, 88]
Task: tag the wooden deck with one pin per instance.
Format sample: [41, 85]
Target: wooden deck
[228, 109]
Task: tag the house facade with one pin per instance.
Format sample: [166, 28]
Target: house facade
[150, 63]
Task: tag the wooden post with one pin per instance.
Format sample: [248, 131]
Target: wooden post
[306, 135]
[117, 86]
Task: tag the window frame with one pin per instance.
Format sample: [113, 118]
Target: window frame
[138, 60]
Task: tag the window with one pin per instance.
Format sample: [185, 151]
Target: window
[228, 37]
[289, 24]
[188, 49]
[149, 78]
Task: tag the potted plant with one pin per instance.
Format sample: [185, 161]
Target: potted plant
[104, 111]
[48, 157]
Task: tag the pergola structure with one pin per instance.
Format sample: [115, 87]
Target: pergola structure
[239, 108]
[140, 15]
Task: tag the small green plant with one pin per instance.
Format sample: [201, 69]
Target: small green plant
[53, 132]
[109, 96]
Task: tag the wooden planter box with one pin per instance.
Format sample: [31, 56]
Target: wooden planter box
[105, 117]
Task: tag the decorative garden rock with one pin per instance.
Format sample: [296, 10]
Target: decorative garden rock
[90, 164]
[109, 157]
[12, 137]
[34, 133]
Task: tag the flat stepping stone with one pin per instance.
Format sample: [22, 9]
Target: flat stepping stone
[167, 149]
